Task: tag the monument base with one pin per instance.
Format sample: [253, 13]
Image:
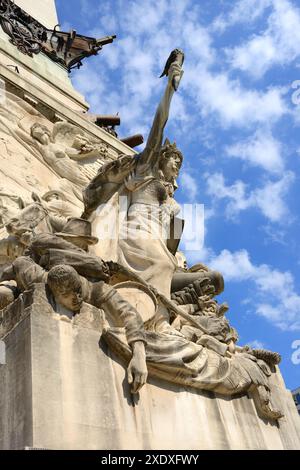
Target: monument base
[61, 389]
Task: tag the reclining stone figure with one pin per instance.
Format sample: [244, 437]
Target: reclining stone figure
[65, 255]
[76, 277]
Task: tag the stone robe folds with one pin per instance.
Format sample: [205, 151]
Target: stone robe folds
[180, 361]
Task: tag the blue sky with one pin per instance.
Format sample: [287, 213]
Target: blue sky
[237, 122]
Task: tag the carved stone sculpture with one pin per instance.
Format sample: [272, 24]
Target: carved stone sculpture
[160, 316]
[202, 330]
[70, 287]
[66, 287]
[7, 295]
[56, 156]
[69, 161]
[59, 208]
[149, 183]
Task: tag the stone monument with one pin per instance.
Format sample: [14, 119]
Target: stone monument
[110, 342]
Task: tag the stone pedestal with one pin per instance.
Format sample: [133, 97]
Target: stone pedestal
[61, 389]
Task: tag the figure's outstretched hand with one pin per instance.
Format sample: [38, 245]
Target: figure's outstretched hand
[175, 74]
[137, 369]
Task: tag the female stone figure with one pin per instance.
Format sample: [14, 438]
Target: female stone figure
[138, 233]
[148, 182]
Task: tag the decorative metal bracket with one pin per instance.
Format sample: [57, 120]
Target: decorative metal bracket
[31, 37]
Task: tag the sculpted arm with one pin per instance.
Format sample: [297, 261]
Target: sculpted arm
[119, 310]
[154, 142]
[106, 183]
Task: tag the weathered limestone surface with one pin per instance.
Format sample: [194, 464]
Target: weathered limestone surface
[44, 12]
[39, 74]
[60, 389]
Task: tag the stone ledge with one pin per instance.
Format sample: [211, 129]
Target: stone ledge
[65, 112]
[62, 388]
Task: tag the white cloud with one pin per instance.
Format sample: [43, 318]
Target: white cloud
[262, 150]
[234, 266]
[268, 199]
[146, 35]
[280, 235]
[243, 11]
[203, 254]
[228, 100]
[87, 80]
[147, 32]
[189, 185]
[274, 296]
[277, 45]
[143, 17]
[256, 344]
[236, 193]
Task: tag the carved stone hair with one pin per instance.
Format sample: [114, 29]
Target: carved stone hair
[63, 278]
[37, 125]
[169, 149]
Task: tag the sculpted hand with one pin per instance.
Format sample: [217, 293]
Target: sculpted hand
[175, 73]
[137, 369]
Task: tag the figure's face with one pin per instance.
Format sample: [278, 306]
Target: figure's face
[171, 166]
[40, 134]
[71, 300]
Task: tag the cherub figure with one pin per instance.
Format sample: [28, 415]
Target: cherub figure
[57, 154]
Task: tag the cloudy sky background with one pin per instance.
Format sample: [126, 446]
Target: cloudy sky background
[236, 119]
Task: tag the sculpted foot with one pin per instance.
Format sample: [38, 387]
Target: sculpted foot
[262, 401]
[270, 413]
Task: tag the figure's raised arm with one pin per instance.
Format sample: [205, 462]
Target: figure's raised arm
[174, 72]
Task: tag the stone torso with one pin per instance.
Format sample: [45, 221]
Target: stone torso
[154, 193]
